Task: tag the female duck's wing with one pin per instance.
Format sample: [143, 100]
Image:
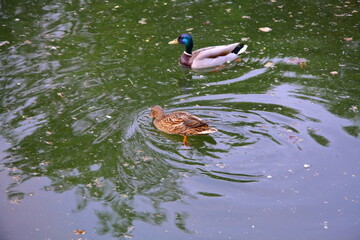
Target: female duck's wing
[183, 118]
[194, 122]
[184, 123]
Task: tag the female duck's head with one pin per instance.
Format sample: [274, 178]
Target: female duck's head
[186, 40]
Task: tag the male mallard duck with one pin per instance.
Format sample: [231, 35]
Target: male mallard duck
[180, 122]
[207, 57]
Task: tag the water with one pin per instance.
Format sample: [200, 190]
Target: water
[79, 151]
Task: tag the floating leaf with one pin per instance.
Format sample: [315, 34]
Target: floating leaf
[3, 43]
[295, 139]
[303, 64]
[269, 65]
[27, 42]
[354, 109]
[77, 231]
[142, 21]
[265, 29]
[15, 201]
[60, 94]
[52, 47]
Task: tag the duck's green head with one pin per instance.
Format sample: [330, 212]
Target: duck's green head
[186, 40]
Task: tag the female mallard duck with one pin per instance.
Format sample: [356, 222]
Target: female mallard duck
[180, 122]
[207, 57]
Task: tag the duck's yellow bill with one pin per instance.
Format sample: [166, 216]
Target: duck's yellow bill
[174, 41]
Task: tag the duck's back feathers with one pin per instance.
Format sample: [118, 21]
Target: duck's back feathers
[215, 51]
[183, 123]
[212, 56]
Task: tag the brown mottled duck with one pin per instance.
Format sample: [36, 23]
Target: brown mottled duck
[180, 122]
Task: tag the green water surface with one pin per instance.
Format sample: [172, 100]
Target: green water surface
[78, 150]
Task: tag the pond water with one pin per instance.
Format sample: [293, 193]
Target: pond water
[81, 159]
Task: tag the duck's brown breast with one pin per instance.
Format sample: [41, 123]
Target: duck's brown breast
[185, 60]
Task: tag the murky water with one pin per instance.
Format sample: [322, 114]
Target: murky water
[79, 152]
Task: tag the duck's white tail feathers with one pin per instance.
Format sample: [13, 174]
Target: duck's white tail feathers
[208, 131]
[243, 49]
[239, 49]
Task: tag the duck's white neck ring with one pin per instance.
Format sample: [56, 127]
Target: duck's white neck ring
[188, 54]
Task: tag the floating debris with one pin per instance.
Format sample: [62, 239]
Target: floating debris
[16, 178]
[334, 73]
[53, 47]
[99, 183]
[295, 139]
[325, 225]
[343, 15]
[220, 165]
[15, 201]
[354, 109]
[142, 21]
[60, 94]
[44, 164]
[79, 232]
[146, 158]
[303, 64]
[348, 39]
[306, 165]
[269, 65]
[265, 29]
[3, 43]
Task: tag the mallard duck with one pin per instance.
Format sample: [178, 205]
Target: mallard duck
[207, 57]
[180, 122]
